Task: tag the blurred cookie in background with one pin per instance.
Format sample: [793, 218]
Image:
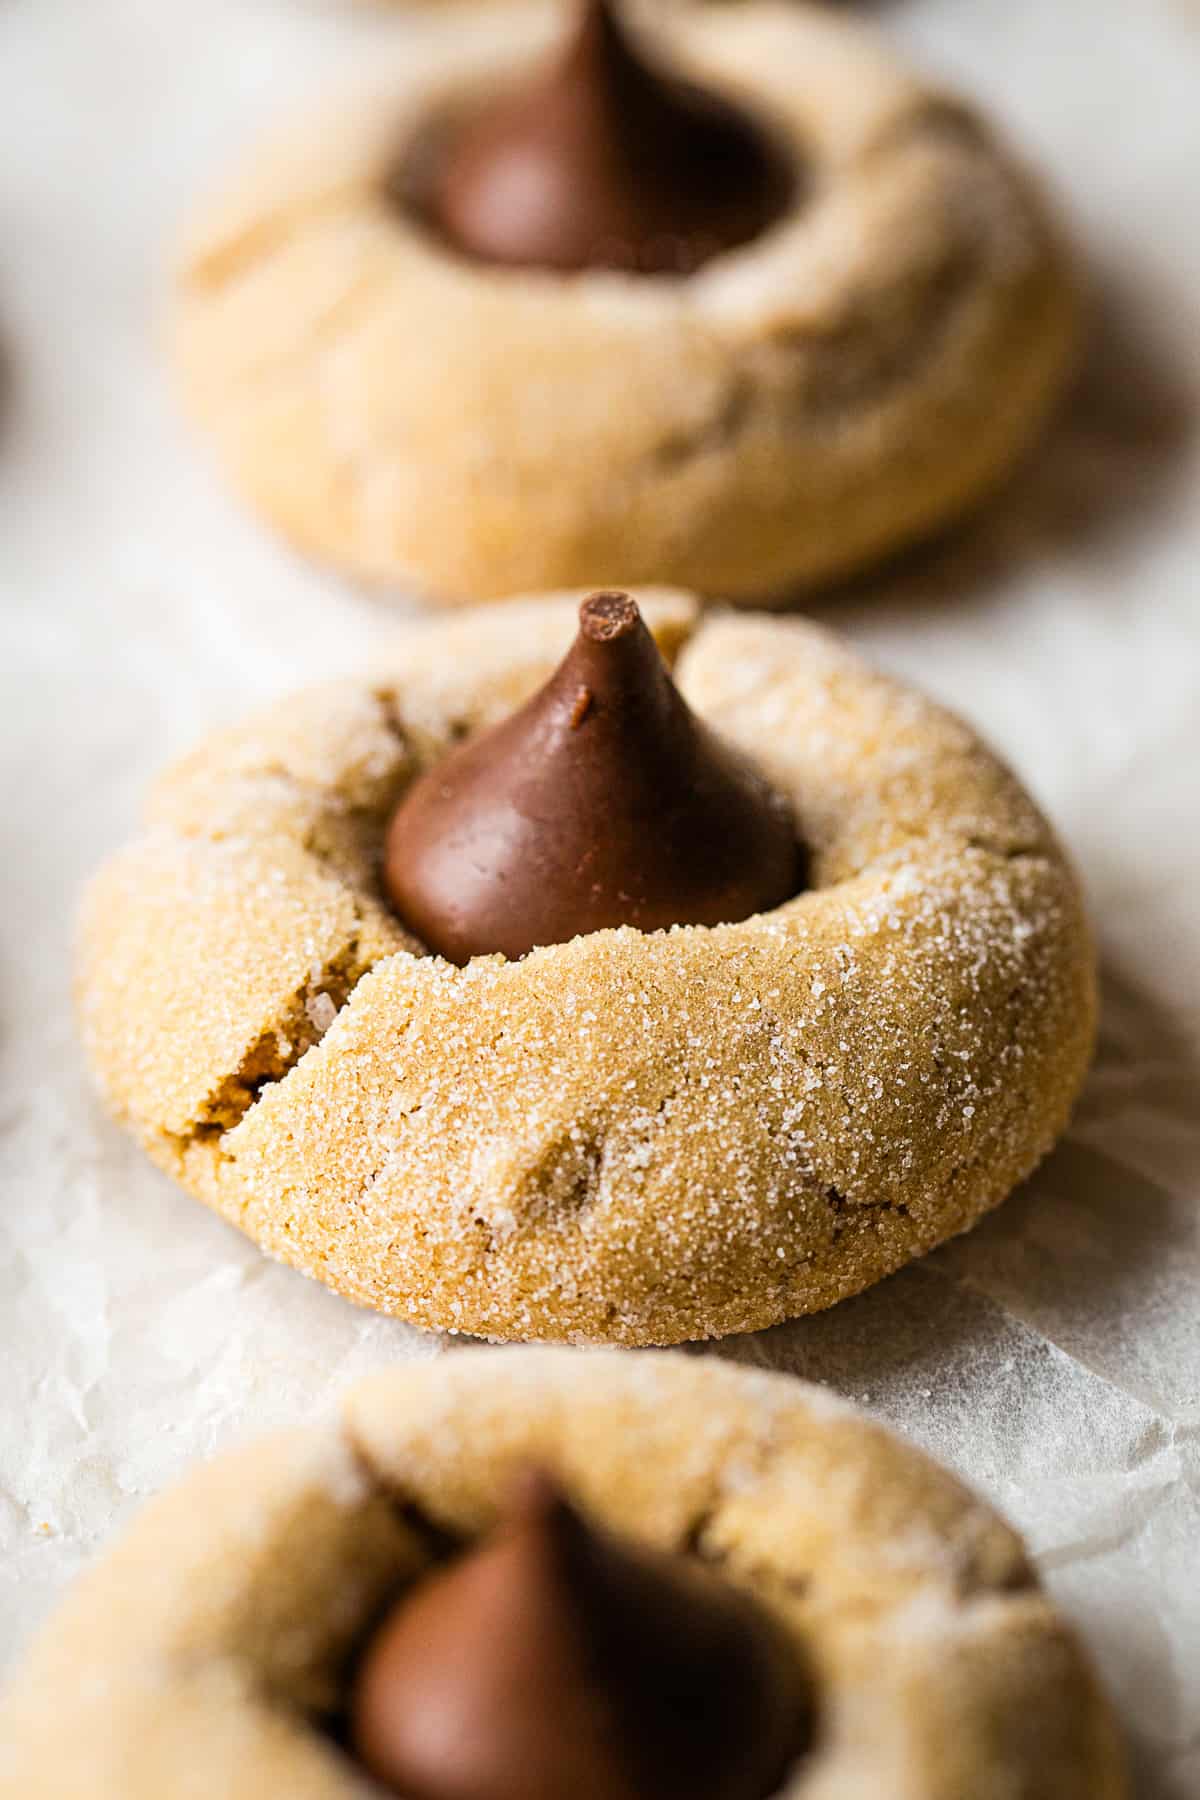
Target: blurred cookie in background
[738, 304]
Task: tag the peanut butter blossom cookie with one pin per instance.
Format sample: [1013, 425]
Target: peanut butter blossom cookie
[531, 1575]
[731, 301]
[670, 989]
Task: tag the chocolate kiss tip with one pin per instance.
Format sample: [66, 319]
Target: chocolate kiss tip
[609, 615]
[556, 1659]
[536, 1488]
[602, 161]
[604, 801]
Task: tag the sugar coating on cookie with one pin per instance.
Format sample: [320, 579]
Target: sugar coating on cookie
[632, 1137]
[852, 378]
[215, 1642]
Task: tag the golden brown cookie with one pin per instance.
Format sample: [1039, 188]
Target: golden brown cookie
[209, 1652]
[630, 1138]
[850, 380]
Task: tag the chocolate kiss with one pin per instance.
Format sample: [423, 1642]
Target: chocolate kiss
[604, 801]
[605, 162]
[558, 1662]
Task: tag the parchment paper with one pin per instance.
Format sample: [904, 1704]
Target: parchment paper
[1054, 1356]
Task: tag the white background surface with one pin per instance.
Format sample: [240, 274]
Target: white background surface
[1053, 1357]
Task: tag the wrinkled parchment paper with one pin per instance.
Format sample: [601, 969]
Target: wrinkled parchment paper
[1054, 1356]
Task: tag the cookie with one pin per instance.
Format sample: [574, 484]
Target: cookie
[210, 1652]
[851, 379]
[632, 1137]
